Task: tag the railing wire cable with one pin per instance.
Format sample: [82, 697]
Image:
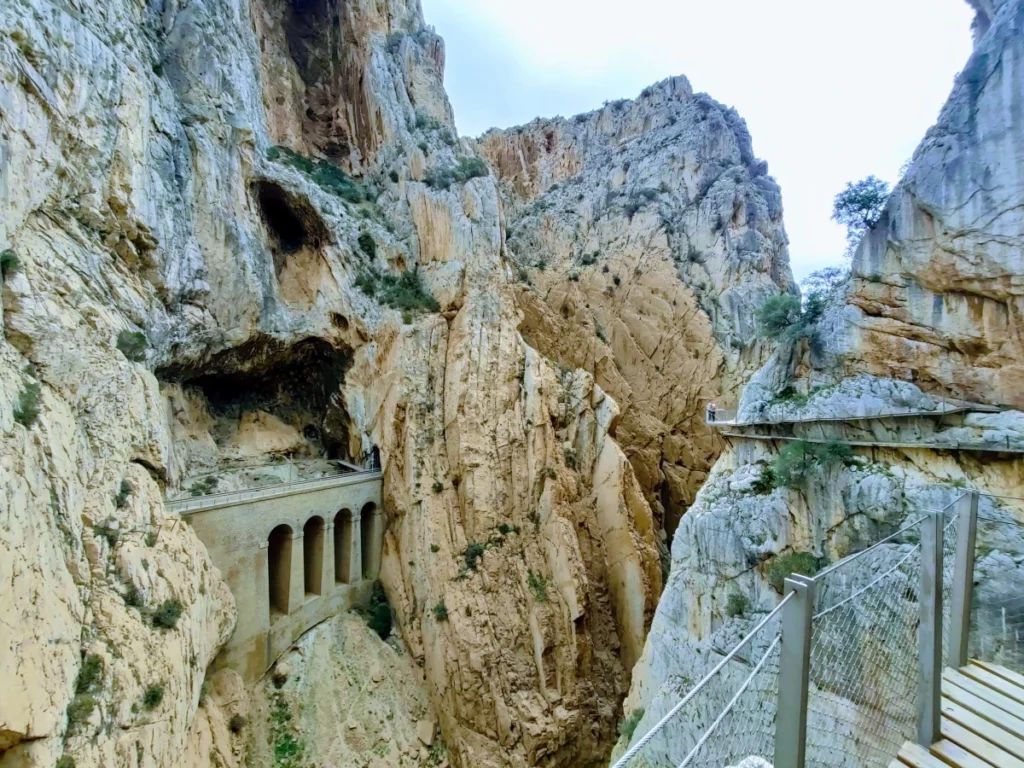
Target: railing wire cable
[646, 738]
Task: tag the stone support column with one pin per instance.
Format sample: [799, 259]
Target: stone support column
[355, 558]
[327, 561]
[297, 582]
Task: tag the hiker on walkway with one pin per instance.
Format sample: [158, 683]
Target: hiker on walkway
[711, 412]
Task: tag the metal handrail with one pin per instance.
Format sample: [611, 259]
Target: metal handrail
[944, 410]
[193, 504]
[646, 738]
[955, 445]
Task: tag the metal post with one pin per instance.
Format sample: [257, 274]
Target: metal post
[963, 579]
[794, 669]
[930, 632]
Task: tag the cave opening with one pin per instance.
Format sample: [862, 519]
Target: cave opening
[292, 224]
[265, 396]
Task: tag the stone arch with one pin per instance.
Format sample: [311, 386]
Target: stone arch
[279, 567]
[343, 533]
[313, 555]
[371, 535]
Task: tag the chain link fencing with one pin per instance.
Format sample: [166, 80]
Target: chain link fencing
[997, 605]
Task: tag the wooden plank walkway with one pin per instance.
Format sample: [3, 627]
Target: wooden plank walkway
[982, 722]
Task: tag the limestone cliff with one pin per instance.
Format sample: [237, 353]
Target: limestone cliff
[644, 234]
[929, 318]
[241, 231]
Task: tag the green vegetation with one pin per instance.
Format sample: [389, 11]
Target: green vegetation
[393, 175]
[538, 585]
[473, 553]
[405, 292]
[9, 263]
[737, 605]
[438, 486]
[781, 318]
[204, 487]
[326, 175]
[379, 612]
[27, 410]
[504, 529]
[766, 482]
[441, 611]
[65, 762]
[133, 597]
[151, 539]
[783, 566]
[628, 726]
[167, 615]
[289, 752]
[466, 169]
[132, 345]
[859, 207]
[367, 244]
[80, 708]
[153, 696]
[121, 499]
[796, 460]
[89, 674]
[435, 548]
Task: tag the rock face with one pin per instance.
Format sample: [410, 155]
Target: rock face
[644, 235]
[938, 292]
[247, 231]
[928, 319]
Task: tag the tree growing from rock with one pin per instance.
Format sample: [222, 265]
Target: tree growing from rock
[858, 208]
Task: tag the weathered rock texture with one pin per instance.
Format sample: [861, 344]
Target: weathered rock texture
[932, 314]
[644, 235]
[156, 177]
[938, 289]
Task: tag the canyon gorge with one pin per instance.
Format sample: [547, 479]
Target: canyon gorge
[243, 244]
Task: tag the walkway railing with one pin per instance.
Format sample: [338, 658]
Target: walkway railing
[849, 665]
[727, 417]
[989, 446]
[227, 498]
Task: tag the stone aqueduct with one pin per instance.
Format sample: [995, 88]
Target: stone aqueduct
[293, 555]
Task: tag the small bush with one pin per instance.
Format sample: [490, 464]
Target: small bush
[133, 597]
[438, 486]
[538, 585]
[27, 410]
[367, 244]
[793, 463]
[589, 258]
[80, 708]
[380, 612]
[441, 611]
[151, 538]
[466, 169]
[472, 554]
[737, 605]
[204, 487]
[783, 566]
[9, 263]
[765, 483]
[778, 315]
[404, 292]
[504, 529]
[167, 615]
[89, 674]
[435, 548]
[236, 724]
[393, 175]
[153, 696]
[628, 726]
[326, 175]
[121, 499]
[65, 762]
[132, 345]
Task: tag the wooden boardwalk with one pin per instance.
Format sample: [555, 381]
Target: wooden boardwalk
[982, 722]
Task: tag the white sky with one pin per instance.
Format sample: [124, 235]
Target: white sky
[832, 91]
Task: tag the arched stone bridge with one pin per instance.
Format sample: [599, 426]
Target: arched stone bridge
[293, 555]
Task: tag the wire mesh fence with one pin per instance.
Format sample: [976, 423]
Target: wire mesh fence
[726, 717]
[997, 607]
[862, 701]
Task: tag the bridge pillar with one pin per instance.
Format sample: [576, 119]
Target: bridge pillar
[297, 582]
[327, 561]
[355, 554]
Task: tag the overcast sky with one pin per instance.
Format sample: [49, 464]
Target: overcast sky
[832, 91]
